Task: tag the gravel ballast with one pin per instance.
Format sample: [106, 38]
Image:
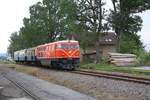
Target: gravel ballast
[102, 88]
[106, 89]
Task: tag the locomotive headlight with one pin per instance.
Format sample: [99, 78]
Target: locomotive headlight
[69, 51]
[59, 46]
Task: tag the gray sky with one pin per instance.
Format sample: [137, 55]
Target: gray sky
[145, 32]
[13, 11]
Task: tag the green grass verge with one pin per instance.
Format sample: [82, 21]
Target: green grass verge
[112, 68]
[6, 62]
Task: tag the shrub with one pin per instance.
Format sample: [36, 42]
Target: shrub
[144, 58]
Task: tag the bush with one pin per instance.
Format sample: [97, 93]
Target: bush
[144, 58]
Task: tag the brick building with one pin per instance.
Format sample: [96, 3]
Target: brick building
[107, 44]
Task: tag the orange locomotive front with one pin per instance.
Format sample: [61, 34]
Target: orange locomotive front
[62, 54]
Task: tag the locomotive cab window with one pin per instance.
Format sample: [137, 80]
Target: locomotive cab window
[68, 46]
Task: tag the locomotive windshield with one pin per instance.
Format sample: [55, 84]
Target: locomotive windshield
[68, 46]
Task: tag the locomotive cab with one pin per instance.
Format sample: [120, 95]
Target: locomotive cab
[67, 54]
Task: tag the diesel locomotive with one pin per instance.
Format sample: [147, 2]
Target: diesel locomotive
[61, 54]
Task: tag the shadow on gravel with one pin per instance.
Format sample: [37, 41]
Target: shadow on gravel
[3, 97]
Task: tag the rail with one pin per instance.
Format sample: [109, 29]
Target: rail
[127, 78]
[20, 85]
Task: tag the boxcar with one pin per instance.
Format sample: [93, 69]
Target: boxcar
[20, 56]
[30, 55]
[16, 56]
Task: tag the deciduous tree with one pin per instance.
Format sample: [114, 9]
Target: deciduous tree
[123, 18]
[91, 16]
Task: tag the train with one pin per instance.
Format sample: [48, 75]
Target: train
[60, 54]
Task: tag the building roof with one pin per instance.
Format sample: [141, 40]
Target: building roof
[108, 38]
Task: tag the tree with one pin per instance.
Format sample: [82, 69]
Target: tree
[123, 17]
[131, 43]
[32, 32]
[15, 43]
[49, 20]
[90, 14]
[63, 20]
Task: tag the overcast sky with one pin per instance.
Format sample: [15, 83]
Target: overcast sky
[13, 11]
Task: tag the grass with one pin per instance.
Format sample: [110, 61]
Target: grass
[91, 66]
[21, 68]
[6, 62]
[112, 68]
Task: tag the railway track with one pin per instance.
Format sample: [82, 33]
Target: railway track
[127, 78]
[21, 87]
[122, 77]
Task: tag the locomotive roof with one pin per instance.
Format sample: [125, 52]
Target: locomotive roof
[58, 42]
[66, 41]
[23, 50]
[20, 50]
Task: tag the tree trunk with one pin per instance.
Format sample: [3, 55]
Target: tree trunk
[98, 55]
[116, 29]
[118, 41]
